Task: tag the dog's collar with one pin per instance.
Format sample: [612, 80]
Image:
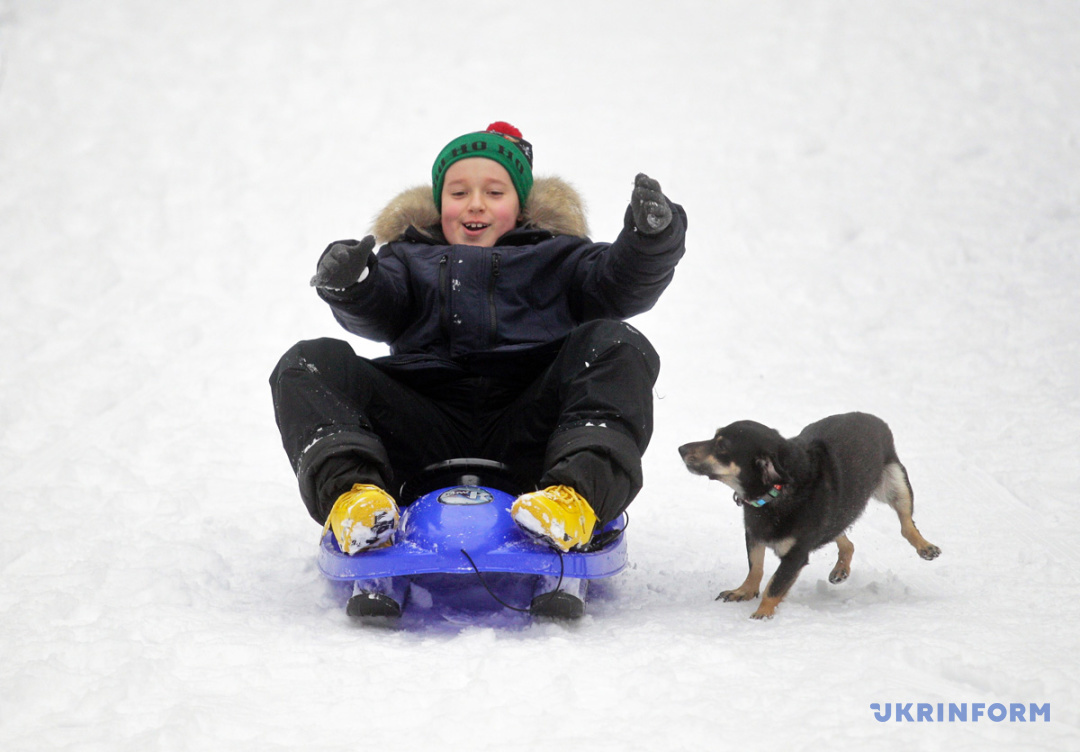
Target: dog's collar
[757, 503]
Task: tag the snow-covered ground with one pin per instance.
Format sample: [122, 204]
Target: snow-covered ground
[884, 204]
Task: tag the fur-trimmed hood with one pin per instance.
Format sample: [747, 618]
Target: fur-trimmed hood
[553, 205]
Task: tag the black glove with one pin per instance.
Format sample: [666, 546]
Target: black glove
[649, 206]
[342, 263]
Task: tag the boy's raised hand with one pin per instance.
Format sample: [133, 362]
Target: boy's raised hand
[342, 263]
[649, 206]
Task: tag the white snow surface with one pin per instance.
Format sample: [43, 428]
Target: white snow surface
[884, 211]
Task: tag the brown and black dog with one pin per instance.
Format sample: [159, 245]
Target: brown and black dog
[801, 493]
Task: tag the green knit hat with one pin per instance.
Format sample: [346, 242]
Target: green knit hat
[501, 143]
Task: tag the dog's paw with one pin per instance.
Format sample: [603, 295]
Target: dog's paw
[839, 574]
[929, 552]
[762, 614]
[732, 596]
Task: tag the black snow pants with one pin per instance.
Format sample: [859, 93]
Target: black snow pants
[577, 413]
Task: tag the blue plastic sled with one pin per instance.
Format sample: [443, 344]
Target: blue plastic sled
[460, 536]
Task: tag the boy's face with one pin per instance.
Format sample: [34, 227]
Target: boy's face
[479, 203]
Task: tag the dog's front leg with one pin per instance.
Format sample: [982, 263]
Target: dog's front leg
[755, 555]
[791, 564]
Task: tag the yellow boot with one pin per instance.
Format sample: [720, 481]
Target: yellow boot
[557, 514]
[363, 517]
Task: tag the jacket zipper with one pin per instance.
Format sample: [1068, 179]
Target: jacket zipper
[493, 319]
[444, 291]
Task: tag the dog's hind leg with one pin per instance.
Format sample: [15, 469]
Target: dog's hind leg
[895, 490]
[843, 562]
[755, 554]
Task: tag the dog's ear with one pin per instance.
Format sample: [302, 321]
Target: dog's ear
[772, 472]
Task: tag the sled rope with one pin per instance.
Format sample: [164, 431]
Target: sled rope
[500, 601]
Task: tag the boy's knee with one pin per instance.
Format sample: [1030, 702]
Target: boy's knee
[604, 336]
[314, 351]
[310, 355]
[609, 330]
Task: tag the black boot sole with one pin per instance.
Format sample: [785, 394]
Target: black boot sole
[366, 605]
[557, 605]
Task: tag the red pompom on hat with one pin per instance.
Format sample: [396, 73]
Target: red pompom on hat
[504, 128]
[513, 135]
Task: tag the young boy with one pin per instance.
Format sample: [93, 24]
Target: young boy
[507, 342]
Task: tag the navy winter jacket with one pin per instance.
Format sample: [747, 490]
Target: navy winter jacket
[435, 303]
